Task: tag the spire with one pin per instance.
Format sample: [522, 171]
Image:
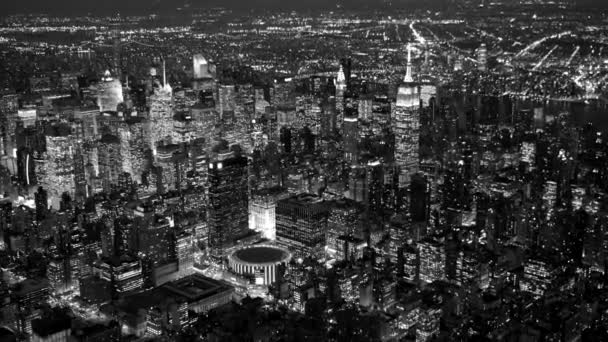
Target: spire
[164, 74]
[166, 86]
[408, 74]
[341, 78]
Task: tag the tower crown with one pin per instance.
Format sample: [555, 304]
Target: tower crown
[409, 78]
[341, 77]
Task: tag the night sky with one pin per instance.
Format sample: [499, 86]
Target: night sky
[158, 6]
[147, 6]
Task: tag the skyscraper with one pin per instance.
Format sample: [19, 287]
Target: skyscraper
[406, 126]
[482, 57]
[262, 213]
[56, 174]
[301, 224]
[342, 221]
[184, 253]
[110, 161]
[351, 139]
[228, 200]
[200, 67]
[109, 93]
[161, 114]
[432, 260]
[340, 84]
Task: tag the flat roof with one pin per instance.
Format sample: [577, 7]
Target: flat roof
[188, 289]
[195, 287]
[261, 254]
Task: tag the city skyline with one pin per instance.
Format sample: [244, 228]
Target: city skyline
[304, 171]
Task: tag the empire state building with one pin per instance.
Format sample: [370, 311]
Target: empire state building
[406, 125]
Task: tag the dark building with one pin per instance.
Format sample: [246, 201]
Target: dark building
[420, 198]
[228, 200]
[301, 224]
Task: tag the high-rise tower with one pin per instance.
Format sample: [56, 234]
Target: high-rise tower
[200, 67]
[340, 84]
[482, 57]
[406, 125]
[228, 200]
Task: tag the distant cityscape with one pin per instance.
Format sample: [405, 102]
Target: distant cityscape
[382, 173]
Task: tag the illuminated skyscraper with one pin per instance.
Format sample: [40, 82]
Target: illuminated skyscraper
[262, 211]
[432, 260]
[301, 224]
[138, 147]
[56, 174]
[63, 273]
[342, 221]
[406, 126]
[110, 161]
[200, 67]
[8, 113]
[109, 93]
[161, 114]
[538, 276]
[226, 101]
[124, 273]
[351, 139]
[184, 253]
[228, 200]
[528, 154]
[400, 225]
[340, 84]
[482, 57]
[166, 161]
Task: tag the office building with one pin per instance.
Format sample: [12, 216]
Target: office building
[301, 224]
[406, 126]
[228, 200]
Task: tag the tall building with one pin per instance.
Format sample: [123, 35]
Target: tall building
[400, 226]
[9, 105]
[262, 213]
[351, 139]
[166, 160]
[161, 114]
[340, 84]
[228, 200]
[63, 274]
[406, 126]
[184, 253]
[124, 273]
[538, 276]
[110, 161]
[226, 101]
[482, 57]
[420, 192]
[432, 261]
[301, 224]
[138, 147]
[56, 173]
[41, 200]
[109, 93]
[200, 67]
[342, 221]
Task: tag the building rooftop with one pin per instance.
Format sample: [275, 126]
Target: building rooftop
[50, 326]
[194, 287]
[261, 254]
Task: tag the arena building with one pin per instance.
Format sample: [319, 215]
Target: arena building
[260, 262]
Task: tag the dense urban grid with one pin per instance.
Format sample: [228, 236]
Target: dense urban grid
[390, 172]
